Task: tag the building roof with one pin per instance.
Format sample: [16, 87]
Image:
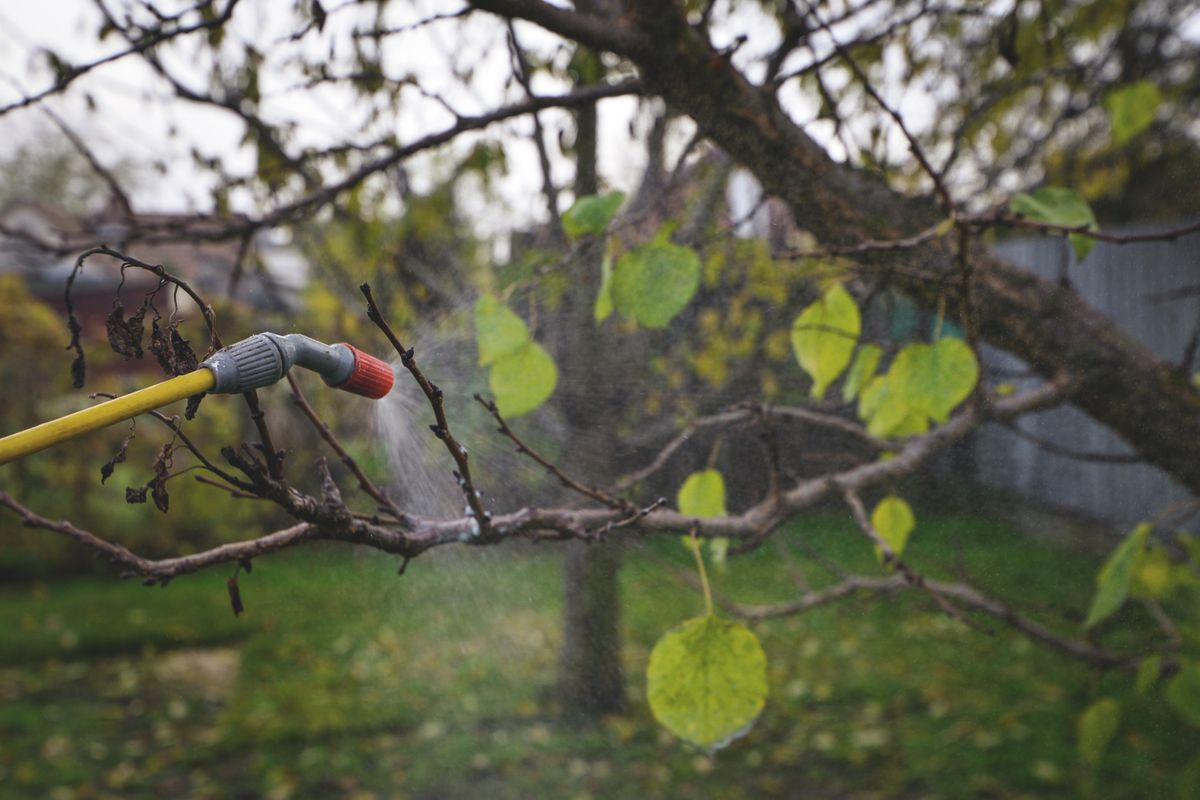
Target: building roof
[41, 243]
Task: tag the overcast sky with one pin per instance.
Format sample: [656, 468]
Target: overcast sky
[139, 114]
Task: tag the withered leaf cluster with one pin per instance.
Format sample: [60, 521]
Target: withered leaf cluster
[173, 352]
[157, 487]
[125, 335]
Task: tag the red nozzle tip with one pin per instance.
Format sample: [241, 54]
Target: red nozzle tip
[372, 377]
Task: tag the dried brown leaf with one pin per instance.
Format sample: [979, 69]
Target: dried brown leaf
[106, 471]
[193, 405]
[161, 348]
[235, 596]
[184, 357]
[158, 485]
[125, 335]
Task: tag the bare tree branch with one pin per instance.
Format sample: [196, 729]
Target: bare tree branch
[441, 429]
[110, 180]
[163, 570]
[751, 412]
[147, 41]
[366, 484]
[591, 492]
[967, 596]
[1006, 218]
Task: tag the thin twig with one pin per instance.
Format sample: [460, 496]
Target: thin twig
[273, 457]
[366, 484]
[892, 559]
[114, 186]
[162, 570]
[789, 562]
[144, 43]
[967, 595]
[1164, 622]
[521, 70]
[210, 316]
[868, 245]
[441, 429]
[638, 515]
[592, 492]
[421, 23]
[1067, 452]
[173, 425]
[914, 145]
[1003, 217]
[750, 412]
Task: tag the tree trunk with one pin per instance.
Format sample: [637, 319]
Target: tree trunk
[590, 679]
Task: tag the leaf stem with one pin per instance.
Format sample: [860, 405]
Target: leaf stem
[715, 452]
[708, 601]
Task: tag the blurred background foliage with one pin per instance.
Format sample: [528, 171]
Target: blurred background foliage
[343, 678]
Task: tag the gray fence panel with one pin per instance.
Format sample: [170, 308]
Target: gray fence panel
[1123, 281]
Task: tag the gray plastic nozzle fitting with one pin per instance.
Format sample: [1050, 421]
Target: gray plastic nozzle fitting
[265, 358]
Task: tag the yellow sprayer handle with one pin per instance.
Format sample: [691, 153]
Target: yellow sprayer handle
[99, 416]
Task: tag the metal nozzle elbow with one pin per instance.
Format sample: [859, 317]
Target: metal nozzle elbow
[265, 358]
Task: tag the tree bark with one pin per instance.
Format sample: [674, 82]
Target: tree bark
[590, 679]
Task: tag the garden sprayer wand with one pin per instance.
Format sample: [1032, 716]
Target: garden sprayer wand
[257, 361]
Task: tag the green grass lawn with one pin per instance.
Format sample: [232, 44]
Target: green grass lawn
[342, 679]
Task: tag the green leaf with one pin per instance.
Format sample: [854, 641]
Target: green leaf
[591, 214]
[862, 369]
[914, 424]
[604, 301]
[1147, 674]
[1055, 205]
[523, 380]
[886, 413]
[1151, 573]
[934, 378]
[824, 336]
[1183, 693]
[498, 331]
[707, 681]
[893, 520]
[654, 282]
[1097, 726]
[1131, 109]
[1112, 582]
[702, 494]
[875, 396]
